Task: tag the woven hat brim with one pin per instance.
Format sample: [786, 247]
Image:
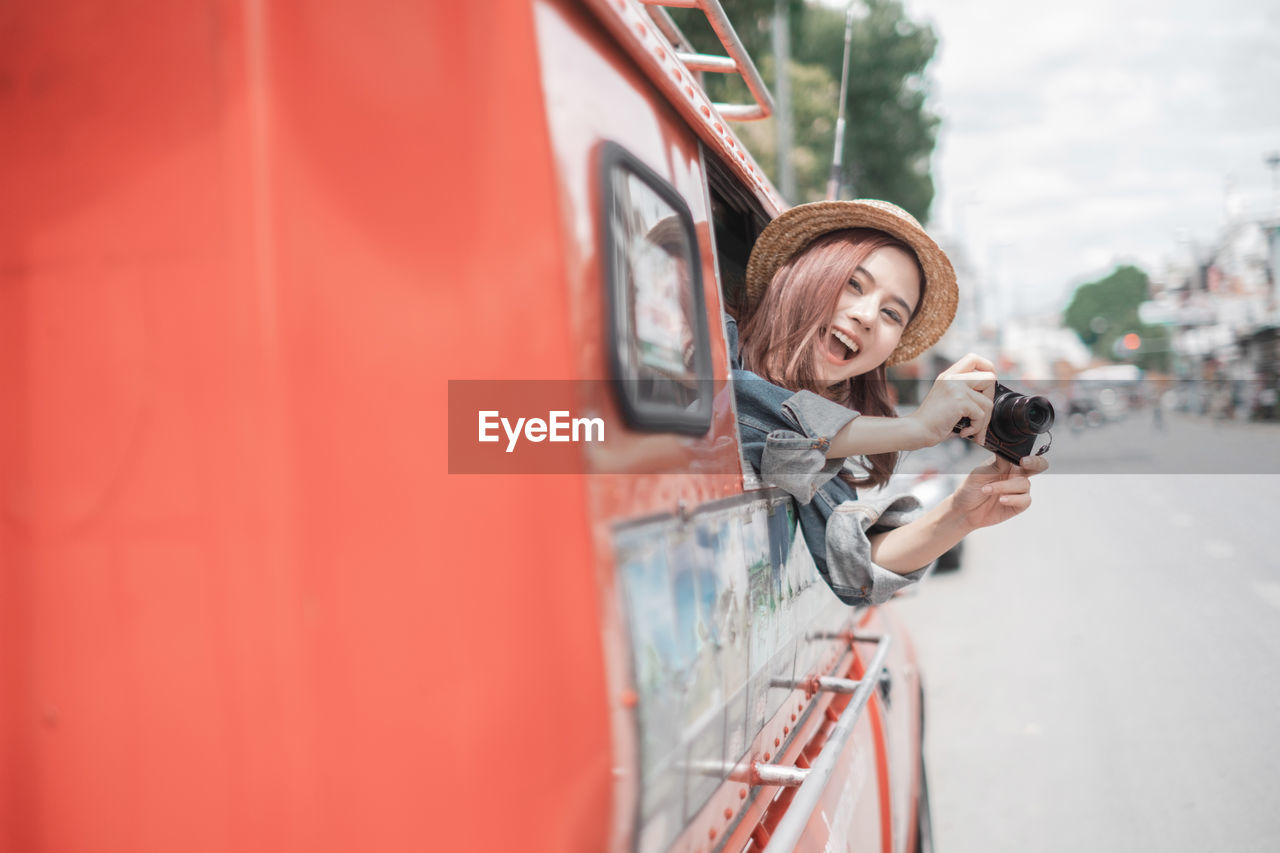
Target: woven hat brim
[794, 229]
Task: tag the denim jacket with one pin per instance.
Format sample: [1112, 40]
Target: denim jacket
[785, 436]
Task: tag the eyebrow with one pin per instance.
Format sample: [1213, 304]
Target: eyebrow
[911, 312]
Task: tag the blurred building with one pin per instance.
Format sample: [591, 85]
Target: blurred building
[1041, 348]
[966, 333]
[1220, 303]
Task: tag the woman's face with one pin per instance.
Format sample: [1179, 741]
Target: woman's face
[874, 307]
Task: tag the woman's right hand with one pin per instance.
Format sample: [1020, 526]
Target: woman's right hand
[966, 389]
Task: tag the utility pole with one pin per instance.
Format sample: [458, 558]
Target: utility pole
[782, 107]
[837, 158]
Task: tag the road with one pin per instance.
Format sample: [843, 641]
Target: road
[1103, 673]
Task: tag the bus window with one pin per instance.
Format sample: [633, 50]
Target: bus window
[660, 346]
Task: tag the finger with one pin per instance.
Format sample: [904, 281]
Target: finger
[1017, 503]
[993, 469]
[1033, 465]
[973, 404]
[973, 412]
[1010, 486]
[975, 431]
[981, 363]
[1000, 465]
[978, 416]
[983, 381]
[970, 362]
[983, 402]
[983, 419]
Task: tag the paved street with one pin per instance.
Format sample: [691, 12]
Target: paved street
[1103, 673]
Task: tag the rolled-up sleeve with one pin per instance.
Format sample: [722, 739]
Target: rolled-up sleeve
[786, 436]
[796, 460]
[849, 569]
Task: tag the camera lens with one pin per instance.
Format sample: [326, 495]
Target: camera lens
[1039, 414]
[1018, 415]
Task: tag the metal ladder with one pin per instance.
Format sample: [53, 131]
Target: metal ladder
[737, 62]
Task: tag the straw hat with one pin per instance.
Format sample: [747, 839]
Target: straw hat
[801, 225]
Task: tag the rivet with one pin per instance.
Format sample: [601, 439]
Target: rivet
[711, 833]
[777, 742]
[793, 718]
[629, 699]
[767, 756]
[742, 793]
[786, 730]
[728, 813]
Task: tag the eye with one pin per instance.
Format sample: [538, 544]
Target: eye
[893, 315]
[853, 282]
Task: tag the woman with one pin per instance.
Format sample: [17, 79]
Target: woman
[836, 292]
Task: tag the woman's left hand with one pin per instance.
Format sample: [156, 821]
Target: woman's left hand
[997, 491]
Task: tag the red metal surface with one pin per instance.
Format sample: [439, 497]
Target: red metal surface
[244, 246]
[899, 722]
[876, 719]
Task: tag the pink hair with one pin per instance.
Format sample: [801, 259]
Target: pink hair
[782, 333]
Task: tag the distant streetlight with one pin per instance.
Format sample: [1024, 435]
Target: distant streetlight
[782, 89]
[857, 10]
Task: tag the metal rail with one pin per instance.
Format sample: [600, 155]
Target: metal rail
[737, 62]
[822, 683]
[785, 837]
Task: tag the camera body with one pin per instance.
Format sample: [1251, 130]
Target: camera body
[1016, 421]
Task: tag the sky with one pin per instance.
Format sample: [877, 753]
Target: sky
[1080, 135]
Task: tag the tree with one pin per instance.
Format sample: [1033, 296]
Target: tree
[813, 93]
[890, 134]
[1103, 312]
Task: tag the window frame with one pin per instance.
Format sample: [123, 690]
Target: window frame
[640, 414]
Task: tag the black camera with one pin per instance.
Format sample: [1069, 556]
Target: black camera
[1016, 420]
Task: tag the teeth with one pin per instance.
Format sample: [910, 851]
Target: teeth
[844, 339]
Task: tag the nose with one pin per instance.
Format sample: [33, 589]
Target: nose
[861, 311]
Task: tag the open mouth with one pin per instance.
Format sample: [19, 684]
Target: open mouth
[840, 347]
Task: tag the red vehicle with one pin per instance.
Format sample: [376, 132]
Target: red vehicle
[266, 266]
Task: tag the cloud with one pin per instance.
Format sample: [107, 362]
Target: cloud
[1098, 130]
